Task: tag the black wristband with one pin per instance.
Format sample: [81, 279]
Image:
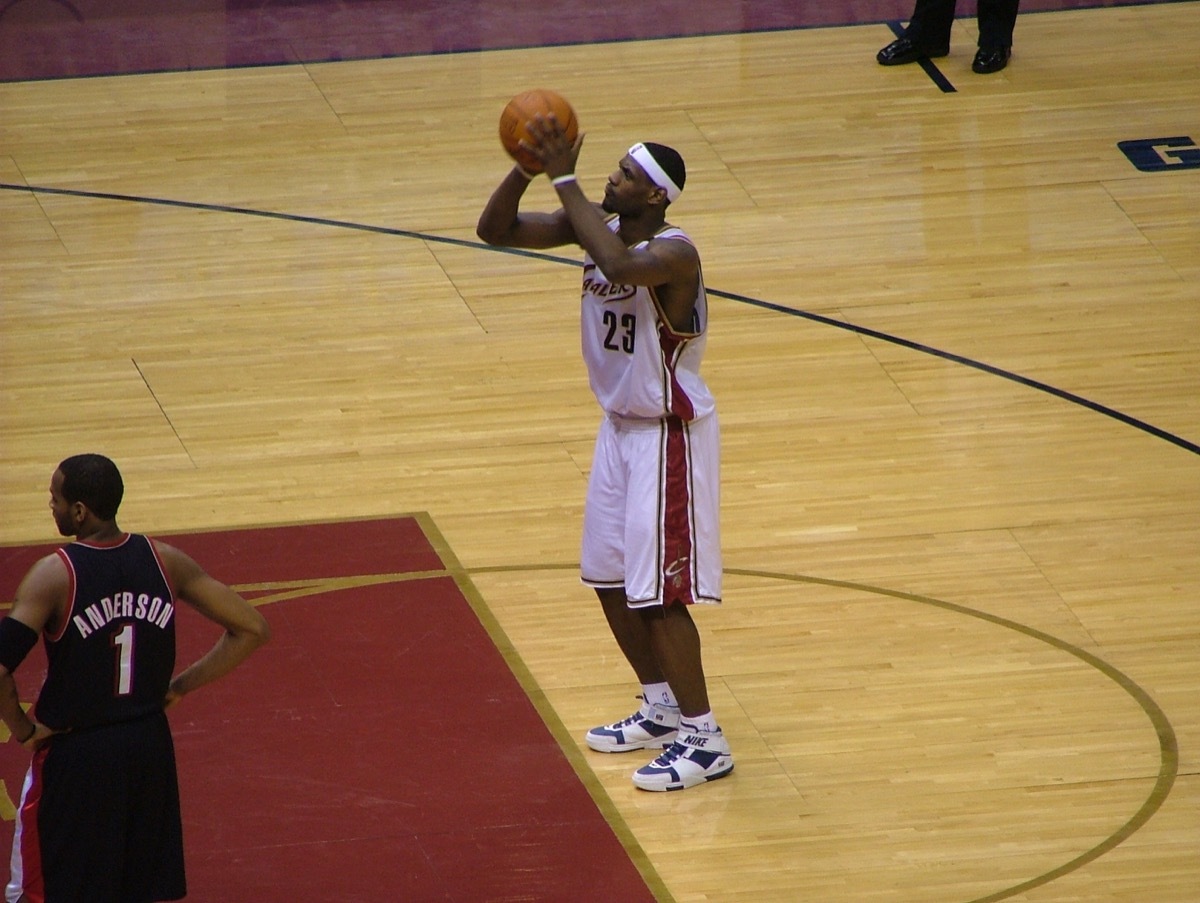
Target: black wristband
[16, 639]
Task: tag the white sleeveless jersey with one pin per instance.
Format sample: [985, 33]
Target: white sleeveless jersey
[639, 367]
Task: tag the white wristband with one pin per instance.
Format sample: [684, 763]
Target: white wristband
[560, 181]
[525, 172]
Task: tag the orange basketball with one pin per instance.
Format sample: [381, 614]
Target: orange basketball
[521, 110]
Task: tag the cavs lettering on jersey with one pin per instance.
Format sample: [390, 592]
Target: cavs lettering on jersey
[112, 657]
[639, 367]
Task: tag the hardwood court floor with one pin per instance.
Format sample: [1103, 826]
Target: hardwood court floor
[956, 346]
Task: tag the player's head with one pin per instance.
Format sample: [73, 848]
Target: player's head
[91, 481]
[672, 172]
[659, 169]
[662, 165]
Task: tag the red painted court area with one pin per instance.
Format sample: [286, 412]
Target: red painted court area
[378, 749]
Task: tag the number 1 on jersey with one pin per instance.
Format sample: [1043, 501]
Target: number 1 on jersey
[124, 643]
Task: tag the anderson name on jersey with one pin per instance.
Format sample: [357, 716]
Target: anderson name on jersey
[123, 605]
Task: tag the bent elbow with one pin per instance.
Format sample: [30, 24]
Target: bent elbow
[260, 634]
[489, 233]
[495, 238]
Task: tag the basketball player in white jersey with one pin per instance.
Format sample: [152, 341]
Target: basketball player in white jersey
[651, 540]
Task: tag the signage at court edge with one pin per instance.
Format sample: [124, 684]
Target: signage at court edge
[1159, 154]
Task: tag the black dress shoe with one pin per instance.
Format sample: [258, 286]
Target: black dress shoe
[903, 50]
[990, 60]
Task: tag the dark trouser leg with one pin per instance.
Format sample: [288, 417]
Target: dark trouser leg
[930, 25]
[996, 21]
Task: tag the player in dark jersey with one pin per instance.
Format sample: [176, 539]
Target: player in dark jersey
[99, 816]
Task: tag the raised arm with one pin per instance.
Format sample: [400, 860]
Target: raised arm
[670, 266]
[502, 222]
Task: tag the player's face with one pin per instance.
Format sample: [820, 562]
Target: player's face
[628, 188]
[60, 508]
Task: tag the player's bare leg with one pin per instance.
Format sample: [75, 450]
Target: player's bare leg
[655, 724]
[676, 646]
[632, 635]
[700, 752]
[663, 647]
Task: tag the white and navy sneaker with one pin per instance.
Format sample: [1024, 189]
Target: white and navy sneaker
[694, 758]
[651, 727]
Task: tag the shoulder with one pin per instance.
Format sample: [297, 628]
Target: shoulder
[675, 251]
[668, 230]
[673, 240]
[178, 564]
[44, 587]
[48, 571]
[168, 553]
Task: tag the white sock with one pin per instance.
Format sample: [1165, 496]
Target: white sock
[659, 694]
[699, 723]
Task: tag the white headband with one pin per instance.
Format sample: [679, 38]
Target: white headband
[656, 173]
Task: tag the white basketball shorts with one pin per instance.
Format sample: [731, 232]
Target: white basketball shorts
[651, 522]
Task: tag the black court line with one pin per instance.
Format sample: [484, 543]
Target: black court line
[976, 365]
[731, 296]
[930, 67]
[1168, 742]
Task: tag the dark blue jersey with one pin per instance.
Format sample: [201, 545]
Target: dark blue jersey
[112, 658]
